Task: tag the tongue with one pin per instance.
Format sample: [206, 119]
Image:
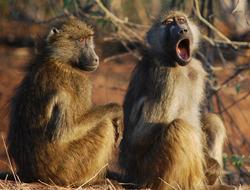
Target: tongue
[182, 52]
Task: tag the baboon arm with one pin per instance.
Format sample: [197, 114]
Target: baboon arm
[142, 130]
[92, 118]
[145, 131]
[57, 118]
[97, 114]
[63, 125]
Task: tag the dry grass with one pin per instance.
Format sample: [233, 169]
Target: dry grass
[12, 185]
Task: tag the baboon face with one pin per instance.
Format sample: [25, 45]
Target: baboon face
[177, 38]
[73, 44]
[88, 60]
[174, 38]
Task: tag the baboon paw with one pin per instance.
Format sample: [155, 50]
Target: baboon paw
[118, 127]
[115, 109]
[213, 170]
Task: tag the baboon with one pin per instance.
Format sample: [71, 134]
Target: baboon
[167, 144]
[56, 134]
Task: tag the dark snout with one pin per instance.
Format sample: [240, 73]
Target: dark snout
[183, 31]
[93, 62]
[180, 31]
[95, 59]
[90, 61]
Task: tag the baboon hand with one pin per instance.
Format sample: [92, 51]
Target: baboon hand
[213, 170]
[118, 126]
[116, 115]
[115, 111]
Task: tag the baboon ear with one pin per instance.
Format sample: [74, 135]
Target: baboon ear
[53, 32]
[72, 17]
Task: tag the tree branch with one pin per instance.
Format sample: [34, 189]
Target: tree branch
[224, 44]
[198, 14]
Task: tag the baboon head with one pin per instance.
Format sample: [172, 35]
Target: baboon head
[72, 42]
[174, 38]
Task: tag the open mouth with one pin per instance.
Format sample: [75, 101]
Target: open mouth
[183, 50]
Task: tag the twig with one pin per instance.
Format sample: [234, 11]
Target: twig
[221, 56]
[237, 44]
[117, 56]
[234, 124]
[8, 157]
[239, 70]
[221, 106]
[112, 17]
[76, 8]
[220, 43]
[224, 44]
[83, 14]
[65, 14]
[109, 14]
[167, 183]
[236, 102]
[131, 51]
[235, 74]
[46, 184]
[124, 26]
[205, 61]
[111, 184]
[97, 173]
[127, 32]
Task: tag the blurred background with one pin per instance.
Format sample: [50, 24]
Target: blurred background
[120, 27]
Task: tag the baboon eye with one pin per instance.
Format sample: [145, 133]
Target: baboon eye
[181, 20]
[168, 21]
[82, 41]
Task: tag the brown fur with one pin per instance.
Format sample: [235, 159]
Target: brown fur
[214, 136]
[56, 134]
[163, 146]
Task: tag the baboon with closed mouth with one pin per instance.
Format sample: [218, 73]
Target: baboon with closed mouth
[56, 135]
[167, 144]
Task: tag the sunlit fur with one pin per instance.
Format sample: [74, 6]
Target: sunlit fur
[56, 135]
[164, 146]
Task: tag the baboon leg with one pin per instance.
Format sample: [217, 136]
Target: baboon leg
[96, 150]
[181, 145]
[105, 139]
[176, 157]
[214, 132]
